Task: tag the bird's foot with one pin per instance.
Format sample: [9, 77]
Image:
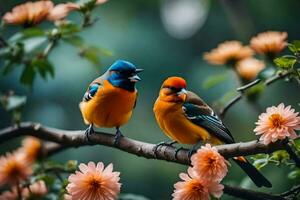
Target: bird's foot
[118, 136]
[191, 152]
[177, 150]
[88, 132]
[170, 144]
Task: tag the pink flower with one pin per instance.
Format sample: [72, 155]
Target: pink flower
[36, 191]
[270, 42]
[9, 195]
[60, 11]
[277, 124]
[31, 148]
[94, 182]
[194, 188]
[14, 168]
[249, 68]
[98, 2]
[208, 164]
[29, 13]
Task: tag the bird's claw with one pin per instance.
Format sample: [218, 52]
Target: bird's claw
[88, 132]
[191, 152]
[176, 152]
[170, 144]
[118, 136]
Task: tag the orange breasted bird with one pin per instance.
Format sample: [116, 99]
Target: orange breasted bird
[187, 119]
[110, 98]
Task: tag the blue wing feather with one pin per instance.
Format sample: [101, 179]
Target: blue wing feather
[209, 122]
[92, 90]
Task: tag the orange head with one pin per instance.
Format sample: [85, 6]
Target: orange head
[173, 89]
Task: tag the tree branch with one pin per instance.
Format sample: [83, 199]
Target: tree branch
[250, 194]
[292, 193]
[59, 140]
[246, 87]
[69, 139]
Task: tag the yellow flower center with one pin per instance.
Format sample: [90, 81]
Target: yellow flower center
[276, 120]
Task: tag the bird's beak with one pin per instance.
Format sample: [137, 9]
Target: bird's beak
[139, 70]
[182, 92]
[134, 78]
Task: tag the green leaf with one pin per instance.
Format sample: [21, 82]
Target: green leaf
[260, 163]
[13, 102]
[294, 46]
[8, 67]
[105, 52]
[5, 51]
[68, 28]
[33, 44]
[26, 34]
[254, 92]
[16, 116]
[296, 144]
[74, 40]
[33, 32]
[281, 156]
[15, 38]
[91, 54]
[285, 62]
[294, 174]
[44, 67]
[266, 73]
[49, 180]
[86, 4]
[28, 75]
[214, 80]
[260, 160]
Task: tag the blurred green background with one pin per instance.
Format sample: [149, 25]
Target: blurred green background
[166, 38]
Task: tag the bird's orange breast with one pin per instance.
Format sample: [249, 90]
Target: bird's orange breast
[110, 107]
[174, 123]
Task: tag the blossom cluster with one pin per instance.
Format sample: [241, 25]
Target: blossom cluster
[204, 177]
[32, 13]
[16, 169]
[234, 54]
[91, 182]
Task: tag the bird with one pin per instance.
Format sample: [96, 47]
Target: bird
[185, 118]
[110, 99]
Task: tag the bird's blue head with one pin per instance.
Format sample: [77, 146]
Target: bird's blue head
[123, 74]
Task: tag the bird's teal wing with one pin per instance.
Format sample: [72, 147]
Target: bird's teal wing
[91, 91]
[209, 122]
[94, 87]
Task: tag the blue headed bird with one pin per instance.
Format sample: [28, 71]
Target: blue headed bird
[111, 98]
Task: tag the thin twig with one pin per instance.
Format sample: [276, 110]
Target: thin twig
[244, 88]
[229, 104]
[49, 47]
[277, 77]
[249, 85]
[292, 154]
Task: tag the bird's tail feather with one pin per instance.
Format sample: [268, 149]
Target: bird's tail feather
[258, 179]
